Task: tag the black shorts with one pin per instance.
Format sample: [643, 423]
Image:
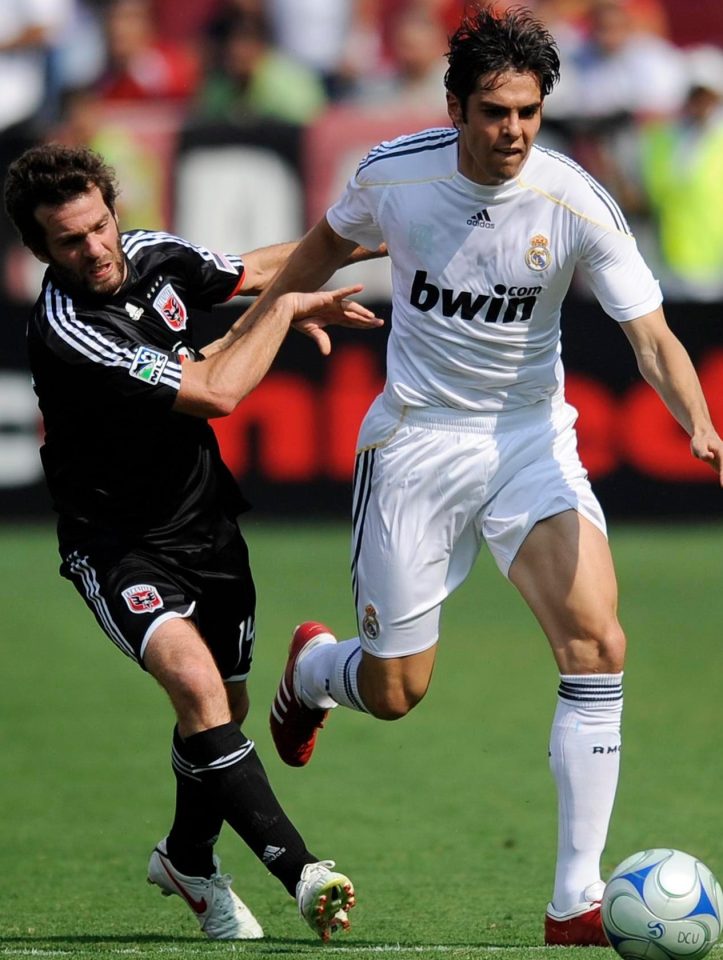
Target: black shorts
[132, 592]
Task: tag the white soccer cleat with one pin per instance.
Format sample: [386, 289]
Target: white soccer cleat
[220, 913]
[324, 897]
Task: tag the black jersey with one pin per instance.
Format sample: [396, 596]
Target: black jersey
[119, 461]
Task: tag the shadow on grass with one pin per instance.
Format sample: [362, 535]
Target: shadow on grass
[58, 941]
[272, 945]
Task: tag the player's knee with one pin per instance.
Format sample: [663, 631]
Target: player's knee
[238, 702]
[198, 697]
[600, 650]
[391, 688]
[392, 704]
[187, 692]
[611, 648]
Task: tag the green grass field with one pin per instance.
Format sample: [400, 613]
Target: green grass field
[445, 820]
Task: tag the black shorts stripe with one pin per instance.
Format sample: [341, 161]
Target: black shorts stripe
[91, 588]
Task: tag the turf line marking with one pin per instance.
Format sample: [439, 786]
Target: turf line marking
[183, 950]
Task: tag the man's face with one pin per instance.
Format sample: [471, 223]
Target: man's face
[500, 128]
[83, 243]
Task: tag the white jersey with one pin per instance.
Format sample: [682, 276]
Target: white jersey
[479, 273]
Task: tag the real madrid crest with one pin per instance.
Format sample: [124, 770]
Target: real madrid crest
[370, 624]
[538, 256]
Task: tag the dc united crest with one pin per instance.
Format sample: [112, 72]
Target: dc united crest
[142, 598]
[370, 624]
[171, 308]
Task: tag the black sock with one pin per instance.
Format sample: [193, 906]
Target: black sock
[236, 782]
[197, 822]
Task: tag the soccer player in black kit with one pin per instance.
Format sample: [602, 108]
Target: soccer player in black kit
[147, 510]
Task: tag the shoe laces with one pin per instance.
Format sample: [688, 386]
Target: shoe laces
[223, 909]
[312, 876]
[316, 871]
[223, 906]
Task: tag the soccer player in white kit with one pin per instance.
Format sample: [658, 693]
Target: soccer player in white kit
[472, 439]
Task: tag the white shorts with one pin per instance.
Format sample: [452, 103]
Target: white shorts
[429, 485]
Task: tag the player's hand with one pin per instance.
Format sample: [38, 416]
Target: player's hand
[708, 447]
[315, 311]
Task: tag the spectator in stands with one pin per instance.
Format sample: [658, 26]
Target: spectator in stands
[28, 30]
[338, 40]
[413, 80]
[681, 174]
[248, 77]
[615, 74]
[87, 122]
[79, 51]
[140, 64]
[621, 68]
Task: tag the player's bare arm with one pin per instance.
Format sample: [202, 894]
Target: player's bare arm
[319, 255]
[261, 265]
[665, 364]
[214, 386]
[340, 313]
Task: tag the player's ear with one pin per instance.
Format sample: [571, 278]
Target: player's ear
[454, 110]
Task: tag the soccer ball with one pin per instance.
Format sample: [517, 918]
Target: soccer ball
[662, 905]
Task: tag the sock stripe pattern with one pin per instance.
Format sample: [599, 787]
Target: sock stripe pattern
[591, 689]
[350, 680]
[194, 771]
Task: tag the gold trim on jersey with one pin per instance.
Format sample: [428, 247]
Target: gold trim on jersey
[577, 213]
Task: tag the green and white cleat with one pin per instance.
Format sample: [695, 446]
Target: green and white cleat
[324, 898]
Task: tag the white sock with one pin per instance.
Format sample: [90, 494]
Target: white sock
[585, 762]
[327, 676]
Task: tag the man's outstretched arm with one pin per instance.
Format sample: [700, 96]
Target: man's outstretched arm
[302, 266]
[316, 258]
[261, 265]
[214, 386]
[664, 362]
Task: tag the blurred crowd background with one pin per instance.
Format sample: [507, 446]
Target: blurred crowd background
[235, 122]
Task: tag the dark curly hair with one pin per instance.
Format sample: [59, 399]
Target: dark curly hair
[487, 44]
[53, 174]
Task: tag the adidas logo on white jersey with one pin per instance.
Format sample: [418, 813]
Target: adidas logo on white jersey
[481, 219]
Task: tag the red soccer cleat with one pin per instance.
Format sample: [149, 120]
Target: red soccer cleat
[581, 930]
[294, 726]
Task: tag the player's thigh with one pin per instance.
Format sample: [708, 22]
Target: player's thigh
[564, 571]
[539, 475]
[181, 662]
[414, 538]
